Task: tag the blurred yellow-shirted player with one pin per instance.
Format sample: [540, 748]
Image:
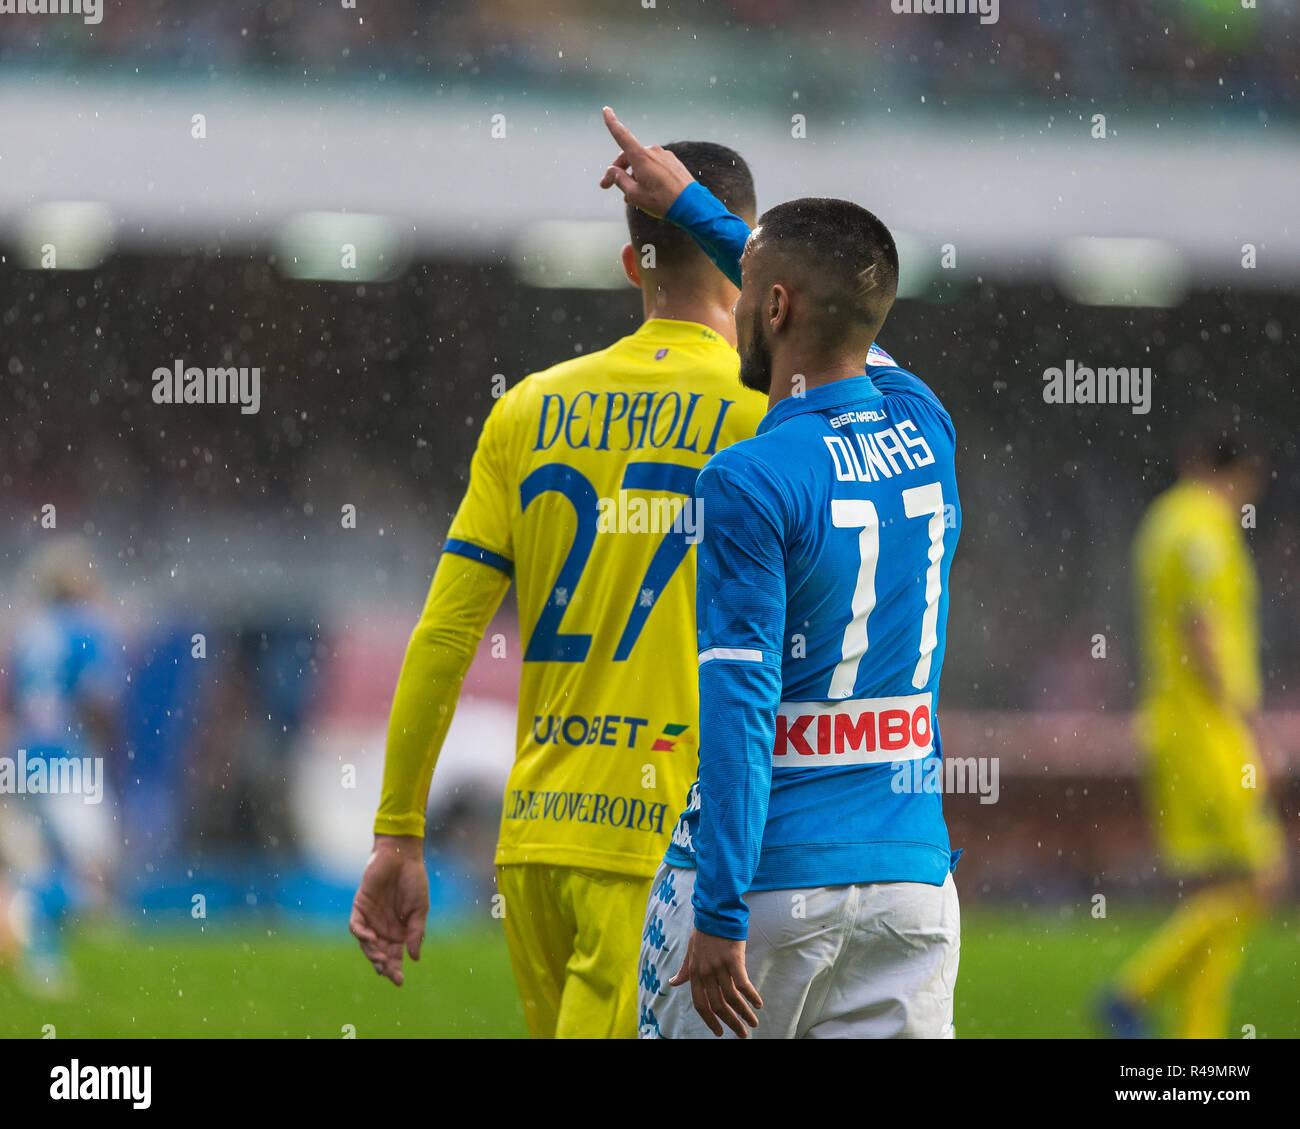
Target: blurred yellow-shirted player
[581, 488]
[1197, 599]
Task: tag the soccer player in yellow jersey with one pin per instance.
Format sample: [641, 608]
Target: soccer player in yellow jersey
[1198, 726]
[581, 489]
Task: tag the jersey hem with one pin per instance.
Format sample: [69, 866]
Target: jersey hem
[801, 866]
[615, 862]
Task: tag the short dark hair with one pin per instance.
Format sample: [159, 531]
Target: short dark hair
[846, 257]
[724, 173]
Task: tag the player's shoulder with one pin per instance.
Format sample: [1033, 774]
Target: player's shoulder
[750, 406]
[743, 456]
[758, 465]
[714, 367]
[519, 406]
[898, 383]
[55, 630]
[1186, 522]
[1185, 508]
[578, 369]
[1164, 515]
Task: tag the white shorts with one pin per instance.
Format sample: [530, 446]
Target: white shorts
[36, 829]
[874, 961]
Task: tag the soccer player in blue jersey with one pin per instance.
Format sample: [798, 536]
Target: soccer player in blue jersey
[809, 876]
[65, 681]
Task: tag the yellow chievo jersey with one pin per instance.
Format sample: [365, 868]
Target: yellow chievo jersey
[582, 488]
[1192, 561]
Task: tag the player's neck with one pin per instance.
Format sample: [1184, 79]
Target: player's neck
[1221, 486]
[786, 382]
[701, 309]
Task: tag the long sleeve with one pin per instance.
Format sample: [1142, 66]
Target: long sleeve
[720, 234]
[464, 596]
[471, 578]
[741, 611]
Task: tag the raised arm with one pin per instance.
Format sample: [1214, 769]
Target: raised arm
[655, 180]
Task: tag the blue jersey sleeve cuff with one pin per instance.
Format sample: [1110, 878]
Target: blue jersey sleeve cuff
[478, 553]
[720, 234]
[732, 928]
[693, 203]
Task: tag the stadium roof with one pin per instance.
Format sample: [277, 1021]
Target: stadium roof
[1008, 194]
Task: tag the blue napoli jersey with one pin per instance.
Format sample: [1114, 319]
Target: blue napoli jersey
[62, 656]
[822, 604]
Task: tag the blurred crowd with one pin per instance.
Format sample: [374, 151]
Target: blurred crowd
[374, 396]
[852, 55]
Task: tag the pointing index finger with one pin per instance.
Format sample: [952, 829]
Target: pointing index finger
[624, 136]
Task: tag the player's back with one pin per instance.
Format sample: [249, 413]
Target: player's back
[1191, 562]
[859, 479]
[1190, 559]
[596, 459]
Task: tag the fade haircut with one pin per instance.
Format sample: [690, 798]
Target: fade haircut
[724, 173]
[844, 259]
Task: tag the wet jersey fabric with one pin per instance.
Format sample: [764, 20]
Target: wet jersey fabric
[582, 490]
[822, 604]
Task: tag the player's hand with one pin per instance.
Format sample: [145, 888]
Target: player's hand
[650, 179]
[392, 904]
[720, 987]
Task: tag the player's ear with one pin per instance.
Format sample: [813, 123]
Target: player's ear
[630, 266]
[778, 307]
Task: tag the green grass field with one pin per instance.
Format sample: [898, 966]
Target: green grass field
[1021, 975]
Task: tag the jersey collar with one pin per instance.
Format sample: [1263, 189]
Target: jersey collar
[837, 394]
[676, 331]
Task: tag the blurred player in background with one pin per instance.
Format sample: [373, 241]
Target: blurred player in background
[67, 676]
[808, 877]
[1199, 727]
[581, 488]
